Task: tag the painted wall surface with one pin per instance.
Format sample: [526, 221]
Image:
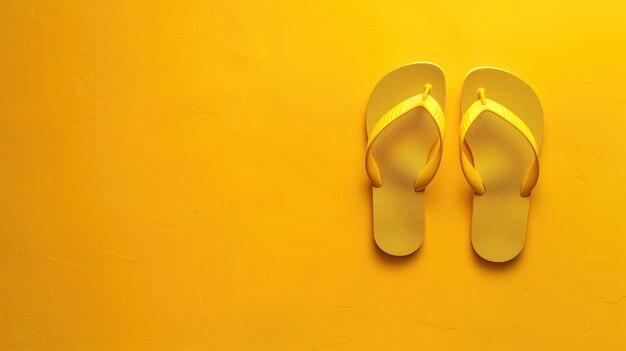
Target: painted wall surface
[189, 175]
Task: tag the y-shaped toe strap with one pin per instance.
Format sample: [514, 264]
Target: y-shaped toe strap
[427, 102]
[473, 112]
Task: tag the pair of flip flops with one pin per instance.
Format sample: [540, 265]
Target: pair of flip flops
[500, 136]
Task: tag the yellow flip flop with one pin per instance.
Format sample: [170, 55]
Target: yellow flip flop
[501, 134]
[405, 128]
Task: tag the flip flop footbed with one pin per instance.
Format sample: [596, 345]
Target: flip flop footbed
[502, 157]
[401, 152]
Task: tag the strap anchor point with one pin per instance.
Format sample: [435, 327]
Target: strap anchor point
[427, 89]
[481, 95]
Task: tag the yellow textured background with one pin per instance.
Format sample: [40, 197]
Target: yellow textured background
[189, 175]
